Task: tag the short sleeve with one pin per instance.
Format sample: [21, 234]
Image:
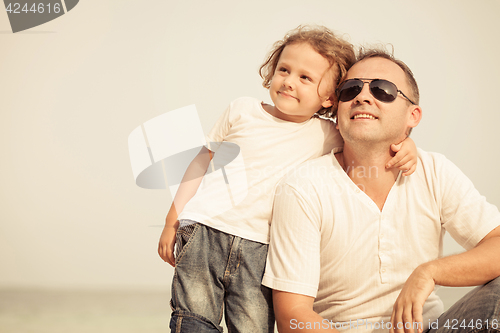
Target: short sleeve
[219, 131]
[333, 139]
[465, 213]
[293, 263]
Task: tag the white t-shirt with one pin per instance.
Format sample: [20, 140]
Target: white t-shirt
[330, 241]
[253, 150]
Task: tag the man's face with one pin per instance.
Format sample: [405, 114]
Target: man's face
[366, 119]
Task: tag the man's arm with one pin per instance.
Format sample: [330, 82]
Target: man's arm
[293, 261]
[474, 267]
[294, 313]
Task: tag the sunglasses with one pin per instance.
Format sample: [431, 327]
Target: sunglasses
[383, 90]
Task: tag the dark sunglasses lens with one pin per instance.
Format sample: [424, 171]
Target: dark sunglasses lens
[350, 89]
[383, 90]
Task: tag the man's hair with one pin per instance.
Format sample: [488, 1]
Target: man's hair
[339, 53]
[379, 52]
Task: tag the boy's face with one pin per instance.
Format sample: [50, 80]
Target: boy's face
[294, 87]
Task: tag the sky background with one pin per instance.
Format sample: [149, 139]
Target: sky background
[74, 88]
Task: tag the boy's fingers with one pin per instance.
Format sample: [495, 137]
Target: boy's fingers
[396, 147]
[407, 171]
[164, 255]
[392, 162]
[396, 163]
[171, 260]
[410, 170]
[161, 252]
[405, 165]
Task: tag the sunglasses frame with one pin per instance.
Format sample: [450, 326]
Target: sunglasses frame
[338, 91]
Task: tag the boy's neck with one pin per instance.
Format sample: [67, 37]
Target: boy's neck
[275, 112]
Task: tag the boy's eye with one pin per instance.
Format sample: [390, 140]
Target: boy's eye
[282, 69]
[304, 77]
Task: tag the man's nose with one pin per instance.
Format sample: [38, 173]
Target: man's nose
[365, 96]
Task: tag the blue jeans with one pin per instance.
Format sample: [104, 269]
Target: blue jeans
[216, 272]
[478, 311]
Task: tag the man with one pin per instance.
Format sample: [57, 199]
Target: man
[356, 246]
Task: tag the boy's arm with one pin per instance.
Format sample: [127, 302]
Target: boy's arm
[187, 189]
[405, 158]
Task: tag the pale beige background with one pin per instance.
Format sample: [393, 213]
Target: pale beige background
[73, 89]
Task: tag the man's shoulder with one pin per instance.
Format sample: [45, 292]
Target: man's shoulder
[429, 155]
[432, 159]
[317, 170]
[435, 168]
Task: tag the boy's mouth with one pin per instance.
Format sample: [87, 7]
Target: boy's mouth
[284, 94]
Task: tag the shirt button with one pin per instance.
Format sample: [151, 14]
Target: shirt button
[357, 190]
[381, 236]
[383, 270]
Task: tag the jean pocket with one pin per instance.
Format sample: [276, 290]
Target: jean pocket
[183, 237]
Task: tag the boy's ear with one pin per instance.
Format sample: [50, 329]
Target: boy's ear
[327, 103]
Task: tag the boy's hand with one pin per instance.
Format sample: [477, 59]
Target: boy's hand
[167, 243]
[405, 158]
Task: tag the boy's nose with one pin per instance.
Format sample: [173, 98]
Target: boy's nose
[288, 82]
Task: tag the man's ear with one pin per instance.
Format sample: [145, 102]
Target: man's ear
[415, 116]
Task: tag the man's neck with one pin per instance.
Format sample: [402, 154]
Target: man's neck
[366, 168]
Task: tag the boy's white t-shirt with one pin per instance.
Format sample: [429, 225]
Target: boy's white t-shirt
[253, 150]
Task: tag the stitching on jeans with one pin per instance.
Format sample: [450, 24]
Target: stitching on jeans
[182, 237]
[179, 325]
[238, 259]
[227, 269]
[181, 314]
[189, 242]
[173, 297]
[222, 310]
[226, 276]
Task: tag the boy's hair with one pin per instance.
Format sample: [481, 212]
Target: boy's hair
[338, 52]
[379, 51]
